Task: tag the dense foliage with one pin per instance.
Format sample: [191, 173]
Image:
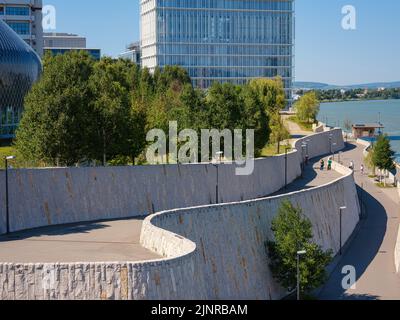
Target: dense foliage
[307, 107]
[293, 233]
[87, 111]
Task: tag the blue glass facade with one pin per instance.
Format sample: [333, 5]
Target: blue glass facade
[20, 67]
[220, 40]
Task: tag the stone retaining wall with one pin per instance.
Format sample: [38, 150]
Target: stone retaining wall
[45, 197]
[210, 252]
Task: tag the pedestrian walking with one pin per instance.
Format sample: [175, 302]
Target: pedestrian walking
[362, 169]
[330, 162]
[351, 166]
[322, 164]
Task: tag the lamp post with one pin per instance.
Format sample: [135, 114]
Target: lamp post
[219, 158]
[303, 149]
[6, 159]
[330, 142]
[299, 254]
[333, 153]
[308, 141]
[286, 166]
[340, 217]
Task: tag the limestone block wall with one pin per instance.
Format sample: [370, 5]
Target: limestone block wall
[43, 197]
[210, 252]
[230, 256]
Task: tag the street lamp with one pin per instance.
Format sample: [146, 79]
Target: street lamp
[219, 155]
[303, 149]
[308, 141]
[286, 166]
[340, 216]
[333, 153]
[299, 254]
[6, 159]
[330, 142]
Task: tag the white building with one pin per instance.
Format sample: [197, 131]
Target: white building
[132, 53]
[25, 18]
[226, 41]
[63, 40]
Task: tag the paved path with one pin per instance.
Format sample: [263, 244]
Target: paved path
[294, 128]
[371, 251]
[312, 177]
[94, 242]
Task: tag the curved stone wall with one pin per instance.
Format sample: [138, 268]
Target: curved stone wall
[210, 252]
[43, 197]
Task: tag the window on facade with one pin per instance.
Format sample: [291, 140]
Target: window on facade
[22, 28]
[18, 11]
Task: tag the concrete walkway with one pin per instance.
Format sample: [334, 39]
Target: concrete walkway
[95, 242]
[294, 128]
[371, 251]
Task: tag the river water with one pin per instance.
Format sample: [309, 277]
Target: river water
[388, 111]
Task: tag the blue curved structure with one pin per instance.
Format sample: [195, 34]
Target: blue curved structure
[20, 67]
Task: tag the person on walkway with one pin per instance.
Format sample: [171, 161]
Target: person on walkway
[322, 165]
[351, 166]
[362, 169]
[330, 162]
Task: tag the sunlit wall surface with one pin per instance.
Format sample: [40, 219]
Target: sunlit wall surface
[20, 67]
[220, 40]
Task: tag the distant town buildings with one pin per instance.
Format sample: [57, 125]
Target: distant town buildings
[226, 41]
[132, 53]
[25, 18]
[60, 43]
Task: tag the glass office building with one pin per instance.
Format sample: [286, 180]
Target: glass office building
[20, 67]
[220, 40]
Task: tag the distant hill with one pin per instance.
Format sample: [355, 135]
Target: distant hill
[325, 86]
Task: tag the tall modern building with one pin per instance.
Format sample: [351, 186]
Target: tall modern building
[25, 18]
[60, 43]
[20, 67]
[220, 40]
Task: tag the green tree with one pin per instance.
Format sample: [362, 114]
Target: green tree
[307, 107]
[55, 127]
[271, 93]
[279, 132]
[114, 132]
[293, 233]
[383, 156]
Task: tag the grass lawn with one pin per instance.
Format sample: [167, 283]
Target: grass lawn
[303, 125]
[271, 150]
[382, 185]
[18, 162]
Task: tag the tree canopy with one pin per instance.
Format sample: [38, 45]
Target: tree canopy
[307, 107]
[83, 110]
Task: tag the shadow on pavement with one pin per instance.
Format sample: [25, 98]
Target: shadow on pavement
[361, 251]
[60, 230]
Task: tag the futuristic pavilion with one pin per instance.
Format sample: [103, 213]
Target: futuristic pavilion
[20, 67]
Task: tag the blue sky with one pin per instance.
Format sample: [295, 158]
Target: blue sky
[324, 51]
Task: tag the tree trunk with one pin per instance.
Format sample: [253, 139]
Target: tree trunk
[104, 149]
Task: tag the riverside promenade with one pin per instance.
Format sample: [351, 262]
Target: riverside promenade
[371, 252]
